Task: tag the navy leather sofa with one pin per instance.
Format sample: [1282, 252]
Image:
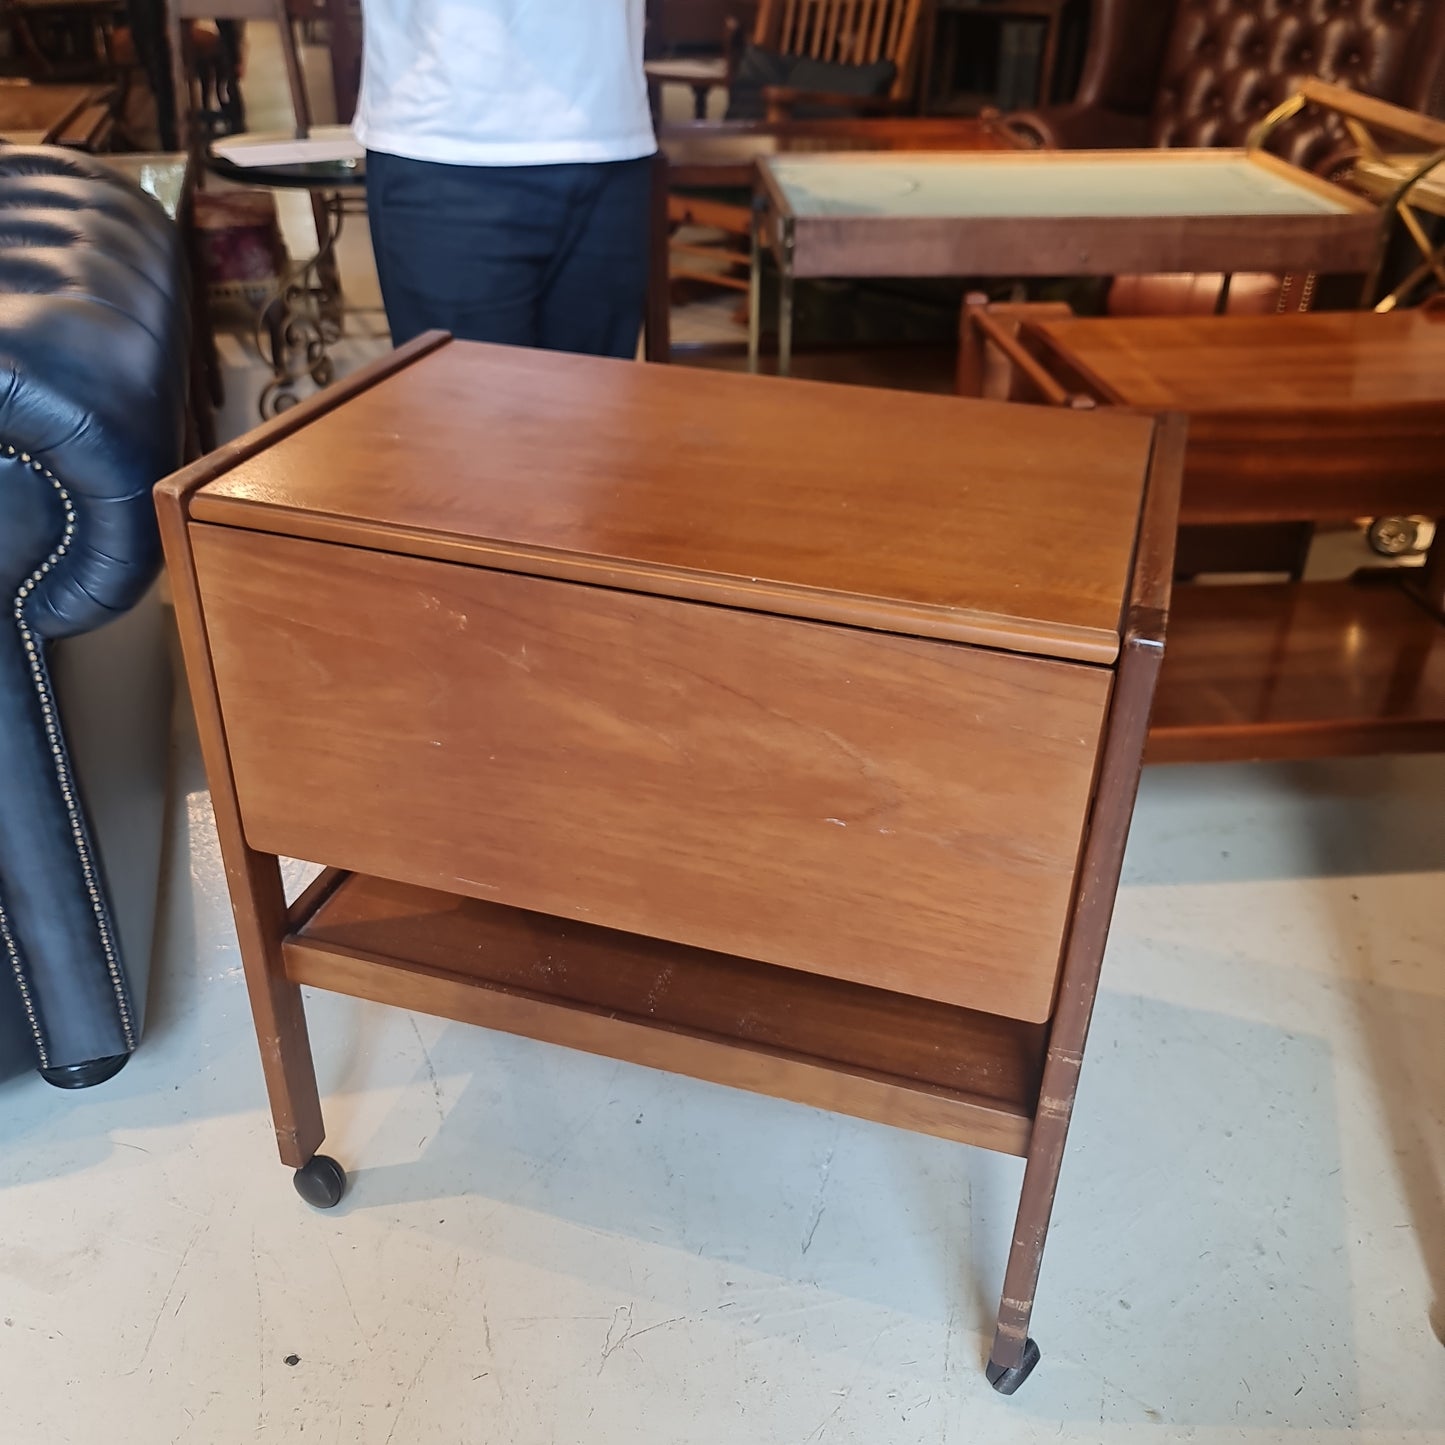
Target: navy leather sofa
[93, 336]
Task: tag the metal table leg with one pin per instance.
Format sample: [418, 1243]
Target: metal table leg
[296, 328]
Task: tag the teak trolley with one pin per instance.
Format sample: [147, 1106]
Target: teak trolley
[712, 722]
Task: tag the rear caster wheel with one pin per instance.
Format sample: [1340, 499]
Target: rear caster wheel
[321, 1182]
[1006, 1381]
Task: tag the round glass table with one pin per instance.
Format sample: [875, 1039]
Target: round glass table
[299, 323]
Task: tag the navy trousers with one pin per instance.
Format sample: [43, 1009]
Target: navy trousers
[550, 256]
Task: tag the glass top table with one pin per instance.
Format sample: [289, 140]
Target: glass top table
[163, 175]
[1155, 184]
[1046, 214]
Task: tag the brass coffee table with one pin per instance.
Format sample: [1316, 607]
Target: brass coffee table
[1047, 213]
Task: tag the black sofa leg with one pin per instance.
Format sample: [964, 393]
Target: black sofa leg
[86, 1075]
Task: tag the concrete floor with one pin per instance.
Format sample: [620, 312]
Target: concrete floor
[544, 1247]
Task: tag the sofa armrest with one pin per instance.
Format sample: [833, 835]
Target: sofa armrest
[93, 333]
[1079, 127]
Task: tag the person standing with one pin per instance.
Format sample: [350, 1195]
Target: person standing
[509, 169]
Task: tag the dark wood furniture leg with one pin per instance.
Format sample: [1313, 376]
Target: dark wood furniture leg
[657, 327]
[258, 899]
[1014, 1354]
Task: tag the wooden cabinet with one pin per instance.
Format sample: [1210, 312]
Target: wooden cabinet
[712, 722]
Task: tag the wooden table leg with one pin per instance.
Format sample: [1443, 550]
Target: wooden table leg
[258, 900]
[1014, 1354]
[657, 326]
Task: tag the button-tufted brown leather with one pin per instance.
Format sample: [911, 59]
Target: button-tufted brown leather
[1203, 72]
[1228, 63]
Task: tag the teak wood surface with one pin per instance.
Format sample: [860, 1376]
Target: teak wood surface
[1342, 240]
[1319, 416]
[1315, 417]
[748, 784]
[955, 1073]
[877, 509]
[350, 671]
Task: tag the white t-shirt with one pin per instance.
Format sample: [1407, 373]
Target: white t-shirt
[504, 82]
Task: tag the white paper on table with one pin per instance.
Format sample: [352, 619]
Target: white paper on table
[276, 148]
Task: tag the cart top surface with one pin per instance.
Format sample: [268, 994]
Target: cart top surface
[1006, 526]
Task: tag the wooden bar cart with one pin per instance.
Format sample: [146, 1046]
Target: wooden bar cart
[709, 722]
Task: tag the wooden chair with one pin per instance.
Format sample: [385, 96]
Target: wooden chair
[841, 33]
[817, 33]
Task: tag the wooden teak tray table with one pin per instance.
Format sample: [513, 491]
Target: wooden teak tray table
[711, 722]
[1322, 417]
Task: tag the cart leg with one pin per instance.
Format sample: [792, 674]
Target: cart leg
[258, 899]
[1014, 1354]
[259, 903]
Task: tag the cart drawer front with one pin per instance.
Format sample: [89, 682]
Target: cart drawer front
[899, 812]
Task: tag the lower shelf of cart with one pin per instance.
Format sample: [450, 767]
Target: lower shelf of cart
[958, 1073]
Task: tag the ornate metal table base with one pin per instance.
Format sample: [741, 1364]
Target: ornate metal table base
[300, 323]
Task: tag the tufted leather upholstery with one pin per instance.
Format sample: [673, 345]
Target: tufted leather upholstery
[93, 332]
[1202, 72]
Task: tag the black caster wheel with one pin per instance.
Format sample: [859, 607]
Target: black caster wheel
[321, 1182]
[1006, 1381]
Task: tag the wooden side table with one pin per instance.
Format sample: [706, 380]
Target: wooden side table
[713, 723]
[1320, 417]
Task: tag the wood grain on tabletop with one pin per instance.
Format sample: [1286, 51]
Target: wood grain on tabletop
[931, 515]
[828, 799]
[1325, 416]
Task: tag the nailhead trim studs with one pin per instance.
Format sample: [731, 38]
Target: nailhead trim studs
[39, 676]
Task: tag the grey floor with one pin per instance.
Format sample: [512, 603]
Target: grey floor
[545, 1247]
[541, 1246]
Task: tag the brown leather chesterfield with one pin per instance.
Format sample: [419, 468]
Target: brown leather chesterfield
[1203, 72]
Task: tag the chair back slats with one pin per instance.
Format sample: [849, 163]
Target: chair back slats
[875, 39]
[852, 32]
[832, 31]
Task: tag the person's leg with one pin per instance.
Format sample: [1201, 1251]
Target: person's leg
[596, 292]
[464, 249]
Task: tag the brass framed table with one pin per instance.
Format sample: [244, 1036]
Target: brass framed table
[751, 749]
[1048, 213]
